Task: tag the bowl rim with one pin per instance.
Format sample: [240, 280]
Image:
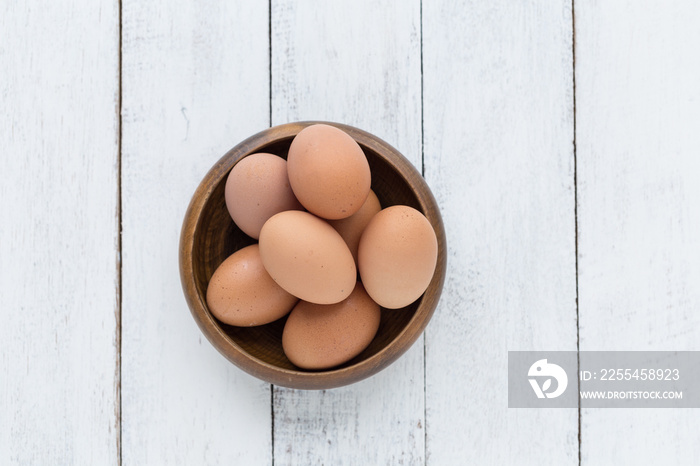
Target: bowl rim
[263, 370]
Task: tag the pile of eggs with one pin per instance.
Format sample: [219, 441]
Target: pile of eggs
[319, 225]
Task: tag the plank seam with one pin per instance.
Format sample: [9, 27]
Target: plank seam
[272, 424]
[422, 161]
[118, 336]
[578, 340]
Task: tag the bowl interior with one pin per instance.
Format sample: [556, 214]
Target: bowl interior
[216, 237]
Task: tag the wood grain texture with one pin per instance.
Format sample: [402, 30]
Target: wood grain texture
[638, 141]
[498, 128]
[356, 63]
[195, 83]
[498, 116]
[58, 232]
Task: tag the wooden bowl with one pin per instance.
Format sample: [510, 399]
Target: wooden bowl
[209, 236]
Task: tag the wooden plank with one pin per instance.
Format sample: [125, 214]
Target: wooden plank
[638, 140]
[498, 119]
[195, 83]
[356, 63]
[58, 233]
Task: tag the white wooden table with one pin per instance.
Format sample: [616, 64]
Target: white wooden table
[562, 142]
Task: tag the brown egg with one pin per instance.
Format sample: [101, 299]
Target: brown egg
[397, 256]
[320, 337]
[351, 228]
[242, 293]
[307, 257]
[256, 189]
[328, 172]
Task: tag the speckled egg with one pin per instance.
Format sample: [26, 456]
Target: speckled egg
[328, 172]
[256, 189]
[397, 256]
[242, 293]
[323, 336]
[307, 257]
[351, 228]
